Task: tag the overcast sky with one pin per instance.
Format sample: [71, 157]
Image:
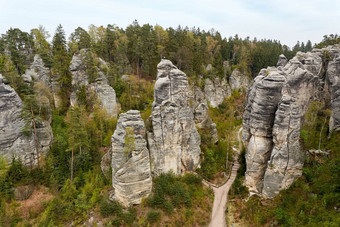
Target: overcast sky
[287, 21]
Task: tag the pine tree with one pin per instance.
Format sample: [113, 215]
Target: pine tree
[61, 62]
[78, 137]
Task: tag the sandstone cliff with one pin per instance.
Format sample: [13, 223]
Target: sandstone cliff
[97, 84]
[130, 162]
[174, 142]
[215, 91]
[238, 80]
[200, 107]
[276, 103]
[13, 143]
[37, 72]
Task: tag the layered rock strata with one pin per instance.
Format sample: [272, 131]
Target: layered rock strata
[276, 103]
[13, 143]
[130, 162]
[174, 142]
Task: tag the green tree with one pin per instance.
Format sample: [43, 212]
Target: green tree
[20, 45]
[82, 38]
[41, 45]
[61, 62]
[78, 140]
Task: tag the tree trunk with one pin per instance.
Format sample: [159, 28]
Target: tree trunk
[35, 138]
[72, 166]
[323, 125]
[226, 164]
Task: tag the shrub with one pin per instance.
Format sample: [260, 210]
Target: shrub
[109, 208]
[130, 216]
[153, 216]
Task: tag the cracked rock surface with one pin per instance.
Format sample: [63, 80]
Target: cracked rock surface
[105, 94]
[130, 162]
[174, 142]
[13, 143]
[276, 103]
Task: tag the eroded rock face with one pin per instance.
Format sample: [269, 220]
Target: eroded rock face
[12, 141]
[37, 72]
[237, 80]
[130, 162]
[282, 61]
[276, 103]
[201, 113]
[99, 86]
[174, 143]
[215, 91]
[333, 82]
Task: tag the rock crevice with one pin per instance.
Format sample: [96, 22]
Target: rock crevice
[130, 161]
[174, 142]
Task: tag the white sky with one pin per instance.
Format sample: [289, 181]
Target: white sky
[287, 21]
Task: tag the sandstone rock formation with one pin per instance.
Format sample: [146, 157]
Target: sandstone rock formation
[174, 142]
[201, 113]
[37, 72]
[237, 80]
[130, 162]
[105, 163]
[282, 61]
[333, 82]
[12, 141]
[99, 86]
[215, 91]
[276, 103]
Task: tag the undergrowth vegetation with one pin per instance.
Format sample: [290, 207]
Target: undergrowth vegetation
[228, 118]
[178, 201]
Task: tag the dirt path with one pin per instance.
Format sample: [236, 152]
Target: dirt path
[218, 218]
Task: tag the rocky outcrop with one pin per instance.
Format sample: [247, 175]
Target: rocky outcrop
[215, 91]
[282, 61]
[37, 72]
[23, 192]
[105, 164]
[130, 162]
[238, 80]
[174, 142]
[201, 113]
[276, 103]
[333, 82]
[99, 86]
[13, 143]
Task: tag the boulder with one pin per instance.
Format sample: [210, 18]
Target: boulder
[130, 162]
[23, 192]
[174, 142]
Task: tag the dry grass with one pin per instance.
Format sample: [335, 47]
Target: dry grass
[35, 203]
